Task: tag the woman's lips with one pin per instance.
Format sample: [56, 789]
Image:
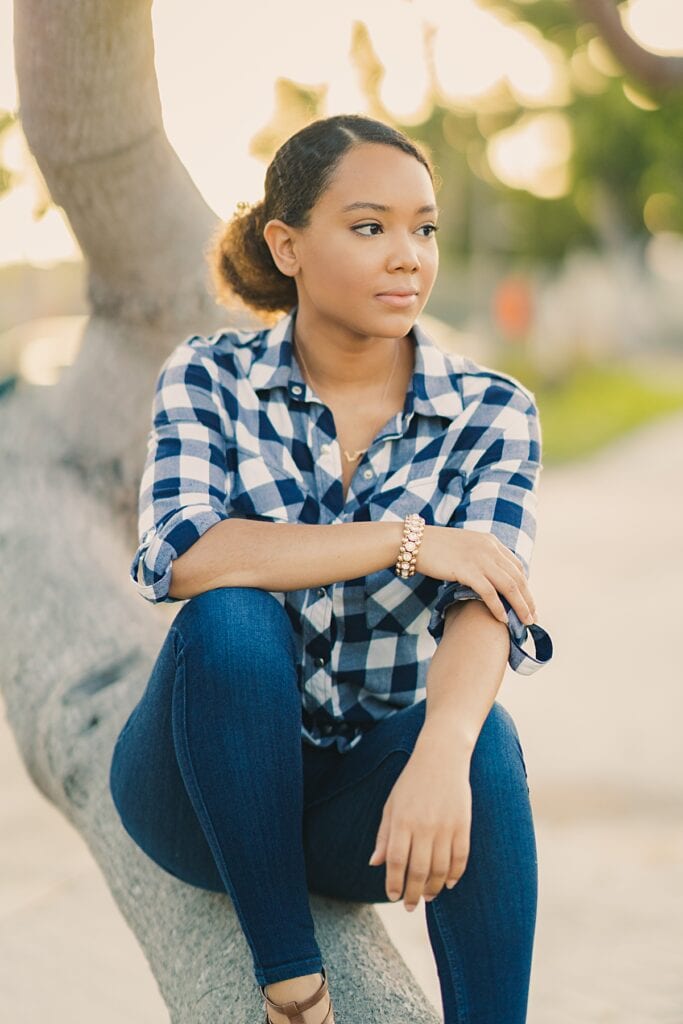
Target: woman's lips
[398, 301]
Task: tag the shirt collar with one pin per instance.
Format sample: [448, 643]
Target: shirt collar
[432, 391]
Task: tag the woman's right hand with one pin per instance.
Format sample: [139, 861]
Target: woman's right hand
[480, 561]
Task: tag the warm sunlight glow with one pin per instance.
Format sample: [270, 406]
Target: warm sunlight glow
[8, 82]
[585, 77]
[537, 72]
[470, 48]
[203, 65]
[656, 24]
[397, 35]
[533, 154]
[475, 51]
[638, 99]
[601, 57]
[23, 238]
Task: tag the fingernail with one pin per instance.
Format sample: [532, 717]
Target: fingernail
[372, 856]
[410, 906]
[450, 883]
[394, 895]
[428, 899]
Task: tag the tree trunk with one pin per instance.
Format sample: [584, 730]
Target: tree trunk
[78, 641]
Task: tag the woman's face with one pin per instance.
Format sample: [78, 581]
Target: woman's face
[345, 258]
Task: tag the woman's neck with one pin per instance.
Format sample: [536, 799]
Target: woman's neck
[352, 369]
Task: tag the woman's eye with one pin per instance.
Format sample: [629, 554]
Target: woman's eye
[359, 226]
[432, 227]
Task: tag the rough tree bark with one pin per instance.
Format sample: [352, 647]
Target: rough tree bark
[78, 641]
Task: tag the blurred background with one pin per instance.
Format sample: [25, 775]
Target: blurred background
[562, 189]
[557, 135]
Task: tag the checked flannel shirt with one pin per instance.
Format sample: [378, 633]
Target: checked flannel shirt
[237, 432]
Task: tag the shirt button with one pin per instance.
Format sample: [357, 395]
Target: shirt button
[367, 473]
[319, 662]
[296, 389]
[321, 591]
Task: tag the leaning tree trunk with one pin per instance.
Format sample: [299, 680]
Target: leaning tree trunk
[78, 641]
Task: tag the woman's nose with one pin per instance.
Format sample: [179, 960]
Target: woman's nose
[404, 255]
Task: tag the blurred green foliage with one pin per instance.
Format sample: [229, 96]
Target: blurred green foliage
[595, 404]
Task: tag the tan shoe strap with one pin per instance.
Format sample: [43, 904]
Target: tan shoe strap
[296, 1007]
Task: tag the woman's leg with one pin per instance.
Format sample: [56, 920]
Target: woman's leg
[482, 930]
[207, 772]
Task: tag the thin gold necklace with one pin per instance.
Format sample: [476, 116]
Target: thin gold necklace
[361, 451]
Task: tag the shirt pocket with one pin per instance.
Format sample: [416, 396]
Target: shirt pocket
[263, 489]
[435, 498]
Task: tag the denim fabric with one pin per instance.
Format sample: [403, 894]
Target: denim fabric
[213, 781]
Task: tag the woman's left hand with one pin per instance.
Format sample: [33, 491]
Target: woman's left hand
[424, 834]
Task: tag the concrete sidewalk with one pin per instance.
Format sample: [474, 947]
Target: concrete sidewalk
[600, 727]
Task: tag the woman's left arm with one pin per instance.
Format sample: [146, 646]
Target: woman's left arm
[424, 835]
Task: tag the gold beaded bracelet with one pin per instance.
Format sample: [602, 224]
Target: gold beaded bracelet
[413, 530]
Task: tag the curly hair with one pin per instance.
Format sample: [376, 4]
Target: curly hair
[239, 259]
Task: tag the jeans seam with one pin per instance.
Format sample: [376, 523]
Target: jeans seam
[179, 720]
[361, 778]
[455, 967]
[183, 751]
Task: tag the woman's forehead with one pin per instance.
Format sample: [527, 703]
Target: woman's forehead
[361, 181]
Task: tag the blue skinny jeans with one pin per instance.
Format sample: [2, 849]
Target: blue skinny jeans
[212, 780]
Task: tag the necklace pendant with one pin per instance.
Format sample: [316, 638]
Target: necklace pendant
[356, 455]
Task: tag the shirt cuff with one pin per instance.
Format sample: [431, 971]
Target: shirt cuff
[521, 661]
[160, 545]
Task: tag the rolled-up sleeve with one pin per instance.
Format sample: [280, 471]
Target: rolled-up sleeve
[183, 485]
[500, 496]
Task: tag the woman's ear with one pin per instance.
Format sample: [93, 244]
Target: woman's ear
[281, 240]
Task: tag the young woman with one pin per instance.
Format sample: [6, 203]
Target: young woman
[349, 514]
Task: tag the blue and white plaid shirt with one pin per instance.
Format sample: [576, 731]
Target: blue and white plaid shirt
[237, 432]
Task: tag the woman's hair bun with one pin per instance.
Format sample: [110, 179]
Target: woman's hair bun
[241, 263]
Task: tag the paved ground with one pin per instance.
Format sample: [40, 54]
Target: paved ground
[600, 728]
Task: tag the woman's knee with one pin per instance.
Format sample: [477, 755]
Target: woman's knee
[247, 617]
[497, 759]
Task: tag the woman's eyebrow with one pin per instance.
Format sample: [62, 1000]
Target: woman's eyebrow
[386, 209]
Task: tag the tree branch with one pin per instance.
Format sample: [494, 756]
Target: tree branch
[657, 72]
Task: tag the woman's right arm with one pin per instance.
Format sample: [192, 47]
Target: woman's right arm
[283, 556]
[294, 556]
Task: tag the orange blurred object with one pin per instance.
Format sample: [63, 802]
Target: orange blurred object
[513, 306]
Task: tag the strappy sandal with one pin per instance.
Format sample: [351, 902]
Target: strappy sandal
[295, 1009]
